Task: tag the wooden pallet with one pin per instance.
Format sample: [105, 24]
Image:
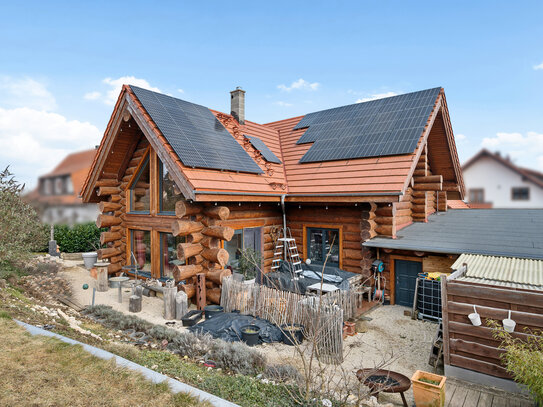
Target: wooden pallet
[70, 303]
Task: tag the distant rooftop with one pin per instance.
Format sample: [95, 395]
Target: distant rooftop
[495, 232]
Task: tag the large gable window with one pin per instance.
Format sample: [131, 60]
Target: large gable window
[140, 196]
[169, 193]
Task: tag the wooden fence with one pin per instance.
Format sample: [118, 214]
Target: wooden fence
[473, 347]
[322, 322]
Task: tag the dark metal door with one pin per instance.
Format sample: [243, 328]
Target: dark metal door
[405, 281]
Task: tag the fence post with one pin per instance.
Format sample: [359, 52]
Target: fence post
[445, 320]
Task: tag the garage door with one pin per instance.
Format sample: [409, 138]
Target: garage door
[406, 273]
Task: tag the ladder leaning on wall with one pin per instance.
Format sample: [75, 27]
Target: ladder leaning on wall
[286, 249]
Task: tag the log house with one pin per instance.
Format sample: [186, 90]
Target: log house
[177, 218]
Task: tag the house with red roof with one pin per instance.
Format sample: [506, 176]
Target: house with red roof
[57, 195]
[183, 188]
[494, 181]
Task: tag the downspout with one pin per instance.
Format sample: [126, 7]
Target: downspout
[284, 225]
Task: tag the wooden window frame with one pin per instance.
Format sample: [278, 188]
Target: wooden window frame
[392, 274]
[145, 159]
[513, 189]
[476, 191]
[306, 226]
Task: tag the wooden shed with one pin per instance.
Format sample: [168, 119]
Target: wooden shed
[496, 286]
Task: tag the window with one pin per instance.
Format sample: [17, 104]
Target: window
[321, 241]
[168, 254]
[520, 194]
[59, 186]
[140, 244]
[48, 186]
[477, 195]
[69, 186]
[233, 247]
[140, 190]
[169, 193]
[247, 238]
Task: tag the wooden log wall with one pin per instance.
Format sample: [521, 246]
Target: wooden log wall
[113, 209]
[201, 224]
[357, 224]
[475, 348]
[268, 216]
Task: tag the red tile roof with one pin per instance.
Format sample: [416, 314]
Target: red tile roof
[457, 204]
[381, 176]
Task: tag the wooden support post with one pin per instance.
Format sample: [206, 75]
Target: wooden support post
[200, 291]
[445, 321]
[169, 302]
[134, 303]
[181, 304]
[102, 278]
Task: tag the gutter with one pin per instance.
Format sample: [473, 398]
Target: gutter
[284, 225]
[295, 195]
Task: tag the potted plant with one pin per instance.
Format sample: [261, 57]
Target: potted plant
[428, 389]
[248, 262]
[250, 334]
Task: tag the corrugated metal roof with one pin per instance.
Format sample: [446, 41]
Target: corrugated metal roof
[502, 271]
[494, 232]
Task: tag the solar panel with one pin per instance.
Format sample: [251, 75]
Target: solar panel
[264, 150]
[388, 126]
[195, 134]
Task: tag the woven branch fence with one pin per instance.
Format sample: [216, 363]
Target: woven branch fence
[323, 323]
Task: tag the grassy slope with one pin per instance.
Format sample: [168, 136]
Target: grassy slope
[44, 371]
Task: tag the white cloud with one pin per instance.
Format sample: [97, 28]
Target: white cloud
[93, 95]
[538, 67]
[33, 140]
[300, 84]
[460, 137]
[25, 92]
[282, 104]
[526, 149]
[376, 96]
[109, 97]
[181, 91]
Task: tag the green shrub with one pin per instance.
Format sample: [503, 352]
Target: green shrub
[523, 359]
[83, 237]
[21, 231]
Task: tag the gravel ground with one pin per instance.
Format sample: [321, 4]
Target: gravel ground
[389, 339]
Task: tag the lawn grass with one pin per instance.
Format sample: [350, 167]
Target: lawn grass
[42, 371]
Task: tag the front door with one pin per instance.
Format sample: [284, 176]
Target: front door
[405, 281]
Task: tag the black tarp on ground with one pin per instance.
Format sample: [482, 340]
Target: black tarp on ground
[227, 326]
[282, 279]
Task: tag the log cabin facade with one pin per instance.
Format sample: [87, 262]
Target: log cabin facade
[177, 219]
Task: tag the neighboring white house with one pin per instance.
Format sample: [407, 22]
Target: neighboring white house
[57, 195]
[493, 181]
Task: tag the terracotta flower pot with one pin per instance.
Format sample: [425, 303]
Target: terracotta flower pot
[428, 389]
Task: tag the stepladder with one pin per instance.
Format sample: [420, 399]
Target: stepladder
[286, 253]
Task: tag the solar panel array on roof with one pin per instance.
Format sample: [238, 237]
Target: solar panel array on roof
[263, 148]
[195, 134]
[388, 126]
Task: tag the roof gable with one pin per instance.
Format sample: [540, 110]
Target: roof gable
[529, 174]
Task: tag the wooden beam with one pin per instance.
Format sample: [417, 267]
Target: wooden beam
[429, 179]
[497, 294]
[105, 191]
[184, 208]
[104, 221]
[436, 186]
[217, 212]
[109, 206]
[220, 232]
[185, 227]
[106, 237]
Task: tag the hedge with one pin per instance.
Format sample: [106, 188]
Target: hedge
[83, 237]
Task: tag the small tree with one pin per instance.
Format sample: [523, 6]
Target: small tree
[249, 263]
[20, 228]
[523, 359]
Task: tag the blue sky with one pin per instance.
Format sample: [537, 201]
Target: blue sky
[61, 65]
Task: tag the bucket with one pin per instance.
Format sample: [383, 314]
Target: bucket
[89, 259]
[474, 317]
[250, 334]
[509, 324]
[212, 310]
[292, 334]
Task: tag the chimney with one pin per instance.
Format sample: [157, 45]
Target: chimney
[237, 104]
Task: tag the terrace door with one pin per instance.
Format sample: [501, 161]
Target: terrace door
[406, 273]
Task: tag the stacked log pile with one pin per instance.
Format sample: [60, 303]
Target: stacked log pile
[202, 252]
